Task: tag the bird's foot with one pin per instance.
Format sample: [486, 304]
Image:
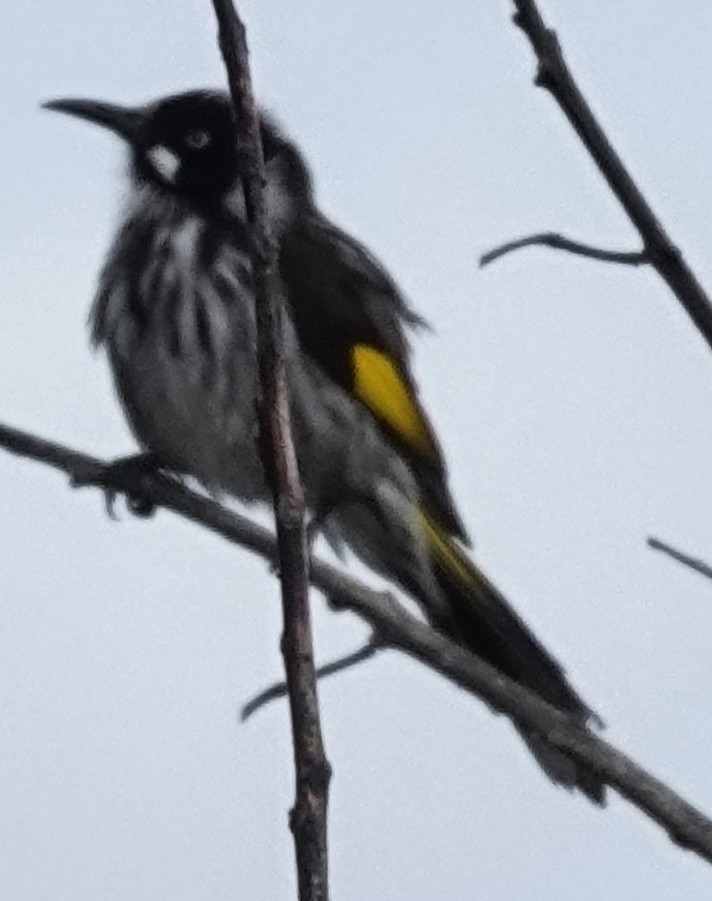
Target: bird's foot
[129, 472]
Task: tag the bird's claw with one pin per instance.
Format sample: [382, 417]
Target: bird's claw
[131, 469]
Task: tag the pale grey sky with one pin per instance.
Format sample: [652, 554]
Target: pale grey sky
[574, 399]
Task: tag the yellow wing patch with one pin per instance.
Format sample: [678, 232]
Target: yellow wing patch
[447, 550]
[380, 386]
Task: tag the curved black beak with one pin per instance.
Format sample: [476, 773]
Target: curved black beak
[122, 120]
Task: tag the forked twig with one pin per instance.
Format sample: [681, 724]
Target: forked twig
[554, 75]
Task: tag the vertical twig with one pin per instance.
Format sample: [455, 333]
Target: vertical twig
[308, 817]
[555, 76]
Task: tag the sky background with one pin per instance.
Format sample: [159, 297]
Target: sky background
[574, 399]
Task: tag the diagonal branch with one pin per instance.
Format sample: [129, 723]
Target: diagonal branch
[555, 76]
[308, 819]
[698, 565]
[394, 627]
[559, 242]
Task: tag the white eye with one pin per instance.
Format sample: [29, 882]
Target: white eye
[197, 140]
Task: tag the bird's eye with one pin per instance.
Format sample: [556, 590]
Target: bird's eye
[197, 140]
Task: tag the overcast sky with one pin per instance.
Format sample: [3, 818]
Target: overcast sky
[574, 399]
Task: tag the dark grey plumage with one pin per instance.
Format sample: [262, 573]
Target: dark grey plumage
[175, 312]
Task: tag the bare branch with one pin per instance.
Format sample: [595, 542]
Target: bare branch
[554, 75]
[308, 819]
[279, 689]
[395, 627]
[559, 242]
[698, 565]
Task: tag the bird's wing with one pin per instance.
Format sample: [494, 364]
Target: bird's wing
[351, 318]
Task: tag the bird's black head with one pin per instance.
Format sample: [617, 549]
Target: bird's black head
[186, 145]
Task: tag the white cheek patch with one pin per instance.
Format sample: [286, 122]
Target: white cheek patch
[165, 162]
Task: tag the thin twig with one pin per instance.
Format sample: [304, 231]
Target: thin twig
[554, 75]
[308, 819]
[279, 689]
[395, 627]
[694, 563]
[559, 242]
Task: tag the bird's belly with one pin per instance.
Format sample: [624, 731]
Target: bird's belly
[198, 421]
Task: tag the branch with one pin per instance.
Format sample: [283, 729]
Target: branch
[308, 819]
[393, 626]
[698, 565]
[279, 689]
[559, 242]
[554, 75]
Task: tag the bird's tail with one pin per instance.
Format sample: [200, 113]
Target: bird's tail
[483, 621]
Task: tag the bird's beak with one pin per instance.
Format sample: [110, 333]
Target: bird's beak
[124, 121]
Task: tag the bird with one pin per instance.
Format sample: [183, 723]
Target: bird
[175, 312]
